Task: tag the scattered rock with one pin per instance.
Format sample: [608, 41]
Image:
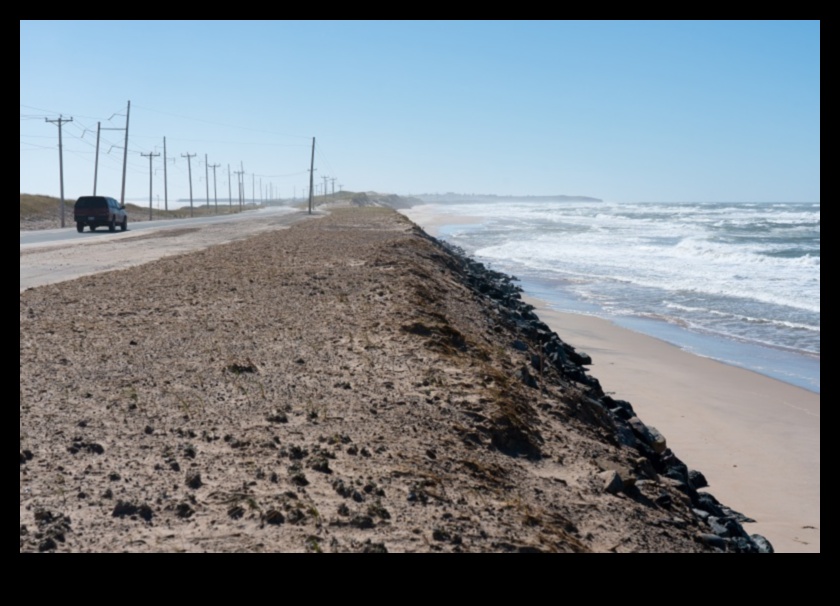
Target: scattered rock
[236, 512]
[525, 376]
[762, 543]
[376, 510]
[298, 478]
[81, 446]
[47, 544]
[697, 480]
[441, 536]
[277, 417]
[712, 540]
[183, 510]
[320, 464]
[362, 522]
[611, 480]
[296, 516]
[273, 517]
[239, 368]
[125, 509]
[193, 480]
[519, 345]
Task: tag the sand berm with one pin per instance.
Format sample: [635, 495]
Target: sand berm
[349, 384]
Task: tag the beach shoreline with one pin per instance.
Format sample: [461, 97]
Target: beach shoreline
[756, 438]
[791, 361]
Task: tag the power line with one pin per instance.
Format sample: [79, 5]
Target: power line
[194, 119]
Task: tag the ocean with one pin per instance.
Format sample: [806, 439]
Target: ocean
[736, 282]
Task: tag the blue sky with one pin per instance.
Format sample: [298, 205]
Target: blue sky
[619, 110]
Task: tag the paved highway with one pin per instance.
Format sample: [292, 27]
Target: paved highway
[69, 234]
[54, 255]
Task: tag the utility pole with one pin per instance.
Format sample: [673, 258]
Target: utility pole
[165, 184]
[215, 193]
[207, 181]
[253, 187]
[239, 176]
[230, 191]
[150, 155]
[325, 187]
[311, 174]
[333, 187]
[189, 172]
[61, 120]
[96, 162]
[125, 154]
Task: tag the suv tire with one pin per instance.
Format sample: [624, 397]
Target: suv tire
[112, 226]
[80, 227]
[124, 224]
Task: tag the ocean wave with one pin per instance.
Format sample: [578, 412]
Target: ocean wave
[743, 318]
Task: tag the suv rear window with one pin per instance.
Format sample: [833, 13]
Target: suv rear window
[92, 202]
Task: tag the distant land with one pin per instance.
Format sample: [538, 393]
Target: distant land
[452, 197]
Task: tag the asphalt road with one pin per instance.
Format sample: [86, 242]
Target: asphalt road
[54, 255]
[69, 233]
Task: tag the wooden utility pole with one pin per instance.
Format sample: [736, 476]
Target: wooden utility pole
[61, 120]
[239, 183]
[230, 191]
[215, 192]
[165, 183]
[96, 162]
[125, 154]
[150, 156]
[207, 181]
[189, 172]
[311, 174]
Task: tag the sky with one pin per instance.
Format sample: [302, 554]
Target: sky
[625, 111]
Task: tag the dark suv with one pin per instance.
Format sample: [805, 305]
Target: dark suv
[94, 211]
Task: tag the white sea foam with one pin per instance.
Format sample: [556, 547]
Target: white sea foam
[746, 271]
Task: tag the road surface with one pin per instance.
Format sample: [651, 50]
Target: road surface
[54, 255]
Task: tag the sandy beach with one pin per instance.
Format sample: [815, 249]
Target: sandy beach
[755, 438]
